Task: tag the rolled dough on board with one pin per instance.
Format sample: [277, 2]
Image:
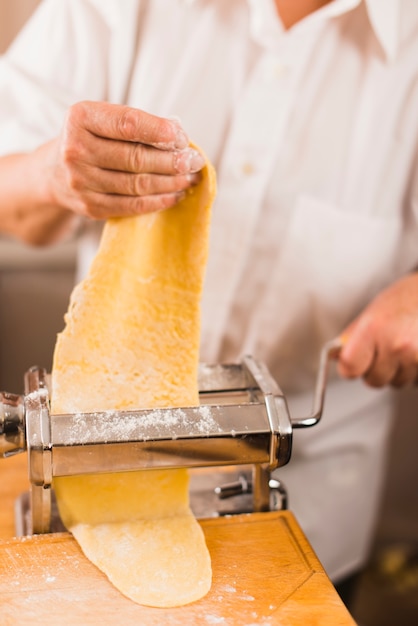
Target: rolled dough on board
[131, 340]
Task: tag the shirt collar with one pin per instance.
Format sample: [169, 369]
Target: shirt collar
[384, 16]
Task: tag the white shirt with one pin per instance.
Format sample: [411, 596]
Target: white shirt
[314, 135]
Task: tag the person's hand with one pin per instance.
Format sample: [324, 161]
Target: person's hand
[113, 160]
[381, 344]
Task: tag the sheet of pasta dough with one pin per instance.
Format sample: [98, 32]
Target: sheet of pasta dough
[131, 340]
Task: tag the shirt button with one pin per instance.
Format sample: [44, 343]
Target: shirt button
[274, 71]
[247, 168]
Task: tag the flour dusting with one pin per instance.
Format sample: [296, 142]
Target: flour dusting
[119, 426]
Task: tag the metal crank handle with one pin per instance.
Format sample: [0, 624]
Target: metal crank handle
[330, 351]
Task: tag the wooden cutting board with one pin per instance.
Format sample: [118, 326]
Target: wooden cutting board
[264, 573]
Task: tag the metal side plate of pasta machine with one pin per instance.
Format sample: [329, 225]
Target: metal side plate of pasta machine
[242, 427]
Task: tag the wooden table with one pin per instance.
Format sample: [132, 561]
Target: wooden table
[264, 573]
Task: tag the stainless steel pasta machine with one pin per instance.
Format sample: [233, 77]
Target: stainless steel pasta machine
[242, 423]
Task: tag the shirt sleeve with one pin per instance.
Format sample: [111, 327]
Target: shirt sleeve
[59, 57]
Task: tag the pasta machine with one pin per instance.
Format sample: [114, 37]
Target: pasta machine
[242, 422]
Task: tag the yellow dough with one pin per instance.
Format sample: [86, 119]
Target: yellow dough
[132, 341]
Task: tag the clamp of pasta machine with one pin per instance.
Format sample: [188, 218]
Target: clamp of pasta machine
[243, 419]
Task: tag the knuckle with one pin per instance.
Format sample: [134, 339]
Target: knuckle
[149, 204]
[403, 346]
[127, 123]
[374, 379]
[140, 185]
[71, 166]
[169, 200]
[76, 114]
[72, 148]
[347, 371]
[74, 180]
[137, 160]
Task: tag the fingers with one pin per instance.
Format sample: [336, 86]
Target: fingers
[104, 206]
[122, 195]
[137, 157]
[377, 368]
[111, 150]
[393, 364]
[125, 183]
[406, 375]
[378, 364]
[358, 352]
[123, 123]
[382, 370]
[381, 345]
